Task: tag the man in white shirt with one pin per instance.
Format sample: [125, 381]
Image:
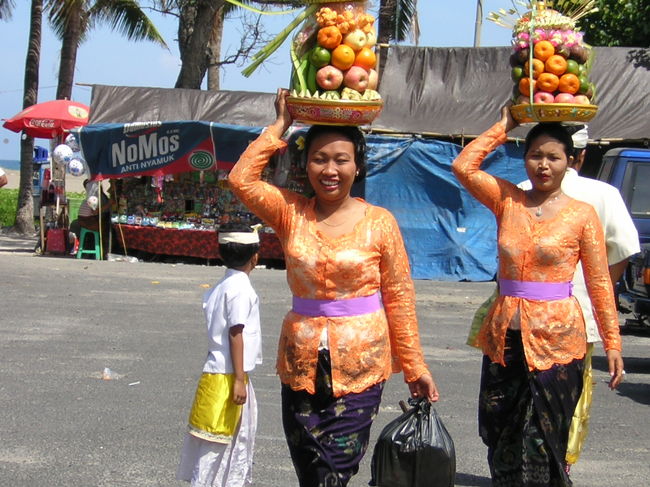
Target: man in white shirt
[622, 241]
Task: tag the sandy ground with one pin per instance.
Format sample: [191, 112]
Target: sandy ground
[72, 184]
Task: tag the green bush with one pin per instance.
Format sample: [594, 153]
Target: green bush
[8, 204]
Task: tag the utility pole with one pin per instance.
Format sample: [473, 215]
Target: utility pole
[479, 23]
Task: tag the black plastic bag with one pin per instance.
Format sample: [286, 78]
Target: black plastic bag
[414, 450]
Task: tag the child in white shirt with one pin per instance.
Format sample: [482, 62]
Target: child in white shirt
[218, 448]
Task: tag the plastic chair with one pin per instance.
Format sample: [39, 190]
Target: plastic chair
[82, 240]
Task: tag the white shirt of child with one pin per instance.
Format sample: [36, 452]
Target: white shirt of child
[621, 236]
[232, 302]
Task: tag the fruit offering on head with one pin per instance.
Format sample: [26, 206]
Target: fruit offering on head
[334, 53]
[548, 49]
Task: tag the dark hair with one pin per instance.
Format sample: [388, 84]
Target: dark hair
[236, 254]
[353, 134]
[555, 131]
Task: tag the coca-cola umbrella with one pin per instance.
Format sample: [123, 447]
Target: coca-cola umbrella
[49, 119]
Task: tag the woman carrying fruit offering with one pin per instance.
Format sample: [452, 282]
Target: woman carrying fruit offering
[353, 319]
[533, 337]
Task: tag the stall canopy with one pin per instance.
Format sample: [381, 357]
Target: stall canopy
[116, 150]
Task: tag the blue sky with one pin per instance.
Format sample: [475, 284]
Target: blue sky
[107, 58]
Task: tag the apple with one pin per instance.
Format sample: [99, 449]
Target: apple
[581, 100]
[319, 56]
[356, 78]
[329, 78]
[564, 98]
[543, 97]
[371, 38]
[584, 85]
[356, 39]
[373, 79]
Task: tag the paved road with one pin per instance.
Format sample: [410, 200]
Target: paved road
[64, 321]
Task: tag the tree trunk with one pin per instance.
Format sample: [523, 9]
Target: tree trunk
[68, 61]
[25, 210]
[194, 31]
[386, 22]
[214, 51]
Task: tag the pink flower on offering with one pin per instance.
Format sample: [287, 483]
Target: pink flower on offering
[540, 35]
[556, 38]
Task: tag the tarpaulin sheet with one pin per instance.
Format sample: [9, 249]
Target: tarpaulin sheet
[115, 150]
[121, 104]
[448, 234]
[458, 91]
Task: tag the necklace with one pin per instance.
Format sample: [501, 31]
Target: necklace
[538, 211]
[331, 224]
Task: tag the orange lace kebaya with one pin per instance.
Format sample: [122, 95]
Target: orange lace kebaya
[553, 332]
[368, 260]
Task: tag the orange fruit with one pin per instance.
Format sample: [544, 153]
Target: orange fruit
[343, 57]
[524, 86]
[569, 83]
[556, 64]
[538, 68]
[543, 50]
[366, 58]
[329, 37]
[548, 82]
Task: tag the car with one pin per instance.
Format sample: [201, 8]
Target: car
[628, 169]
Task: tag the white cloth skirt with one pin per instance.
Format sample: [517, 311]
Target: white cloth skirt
[208, 464]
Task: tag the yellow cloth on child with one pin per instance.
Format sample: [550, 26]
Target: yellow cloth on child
[214, 415]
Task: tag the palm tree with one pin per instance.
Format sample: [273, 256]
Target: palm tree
[398, 19]
[25, 210]
[72, 20]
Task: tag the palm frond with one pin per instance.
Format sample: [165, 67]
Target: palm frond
[126, 17]
[406, 21]
[6, 9]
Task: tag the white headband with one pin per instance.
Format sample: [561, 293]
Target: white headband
[580, 138]
[245, 238]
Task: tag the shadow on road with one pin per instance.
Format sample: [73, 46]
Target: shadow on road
[629, 388]
[472, 480]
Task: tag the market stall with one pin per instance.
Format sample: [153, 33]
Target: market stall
[169, 181]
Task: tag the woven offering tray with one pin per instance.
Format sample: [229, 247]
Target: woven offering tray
[553, 112]
[333, 112]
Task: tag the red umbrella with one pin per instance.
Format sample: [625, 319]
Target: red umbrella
[49, 119]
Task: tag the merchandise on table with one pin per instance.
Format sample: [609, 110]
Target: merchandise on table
[179, 201]
[551, 62]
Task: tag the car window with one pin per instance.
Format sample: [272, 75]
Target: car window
[606, 169]
[640, 191]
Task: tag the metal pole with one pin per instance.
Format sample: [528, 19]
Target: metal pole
[479, 23]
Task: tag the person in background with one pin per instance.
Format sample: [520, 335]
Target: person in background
[3, 178]
[218, 448]
[353, 320]
[533, 338]
[89, 215]
[621, 241]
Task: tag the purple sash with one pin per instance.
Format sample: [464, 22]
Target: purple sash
[540, 291]
[336, 307]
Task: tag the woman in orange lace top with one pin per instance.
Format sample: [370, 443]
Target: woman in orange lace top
[533, 337]
[353, 319]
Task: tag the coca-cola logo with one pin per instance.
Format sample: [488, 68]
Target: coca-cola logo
[42, 123]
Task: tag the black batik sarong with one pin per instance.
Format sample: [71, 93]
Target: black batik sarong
[328, 436]
[524, 418]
